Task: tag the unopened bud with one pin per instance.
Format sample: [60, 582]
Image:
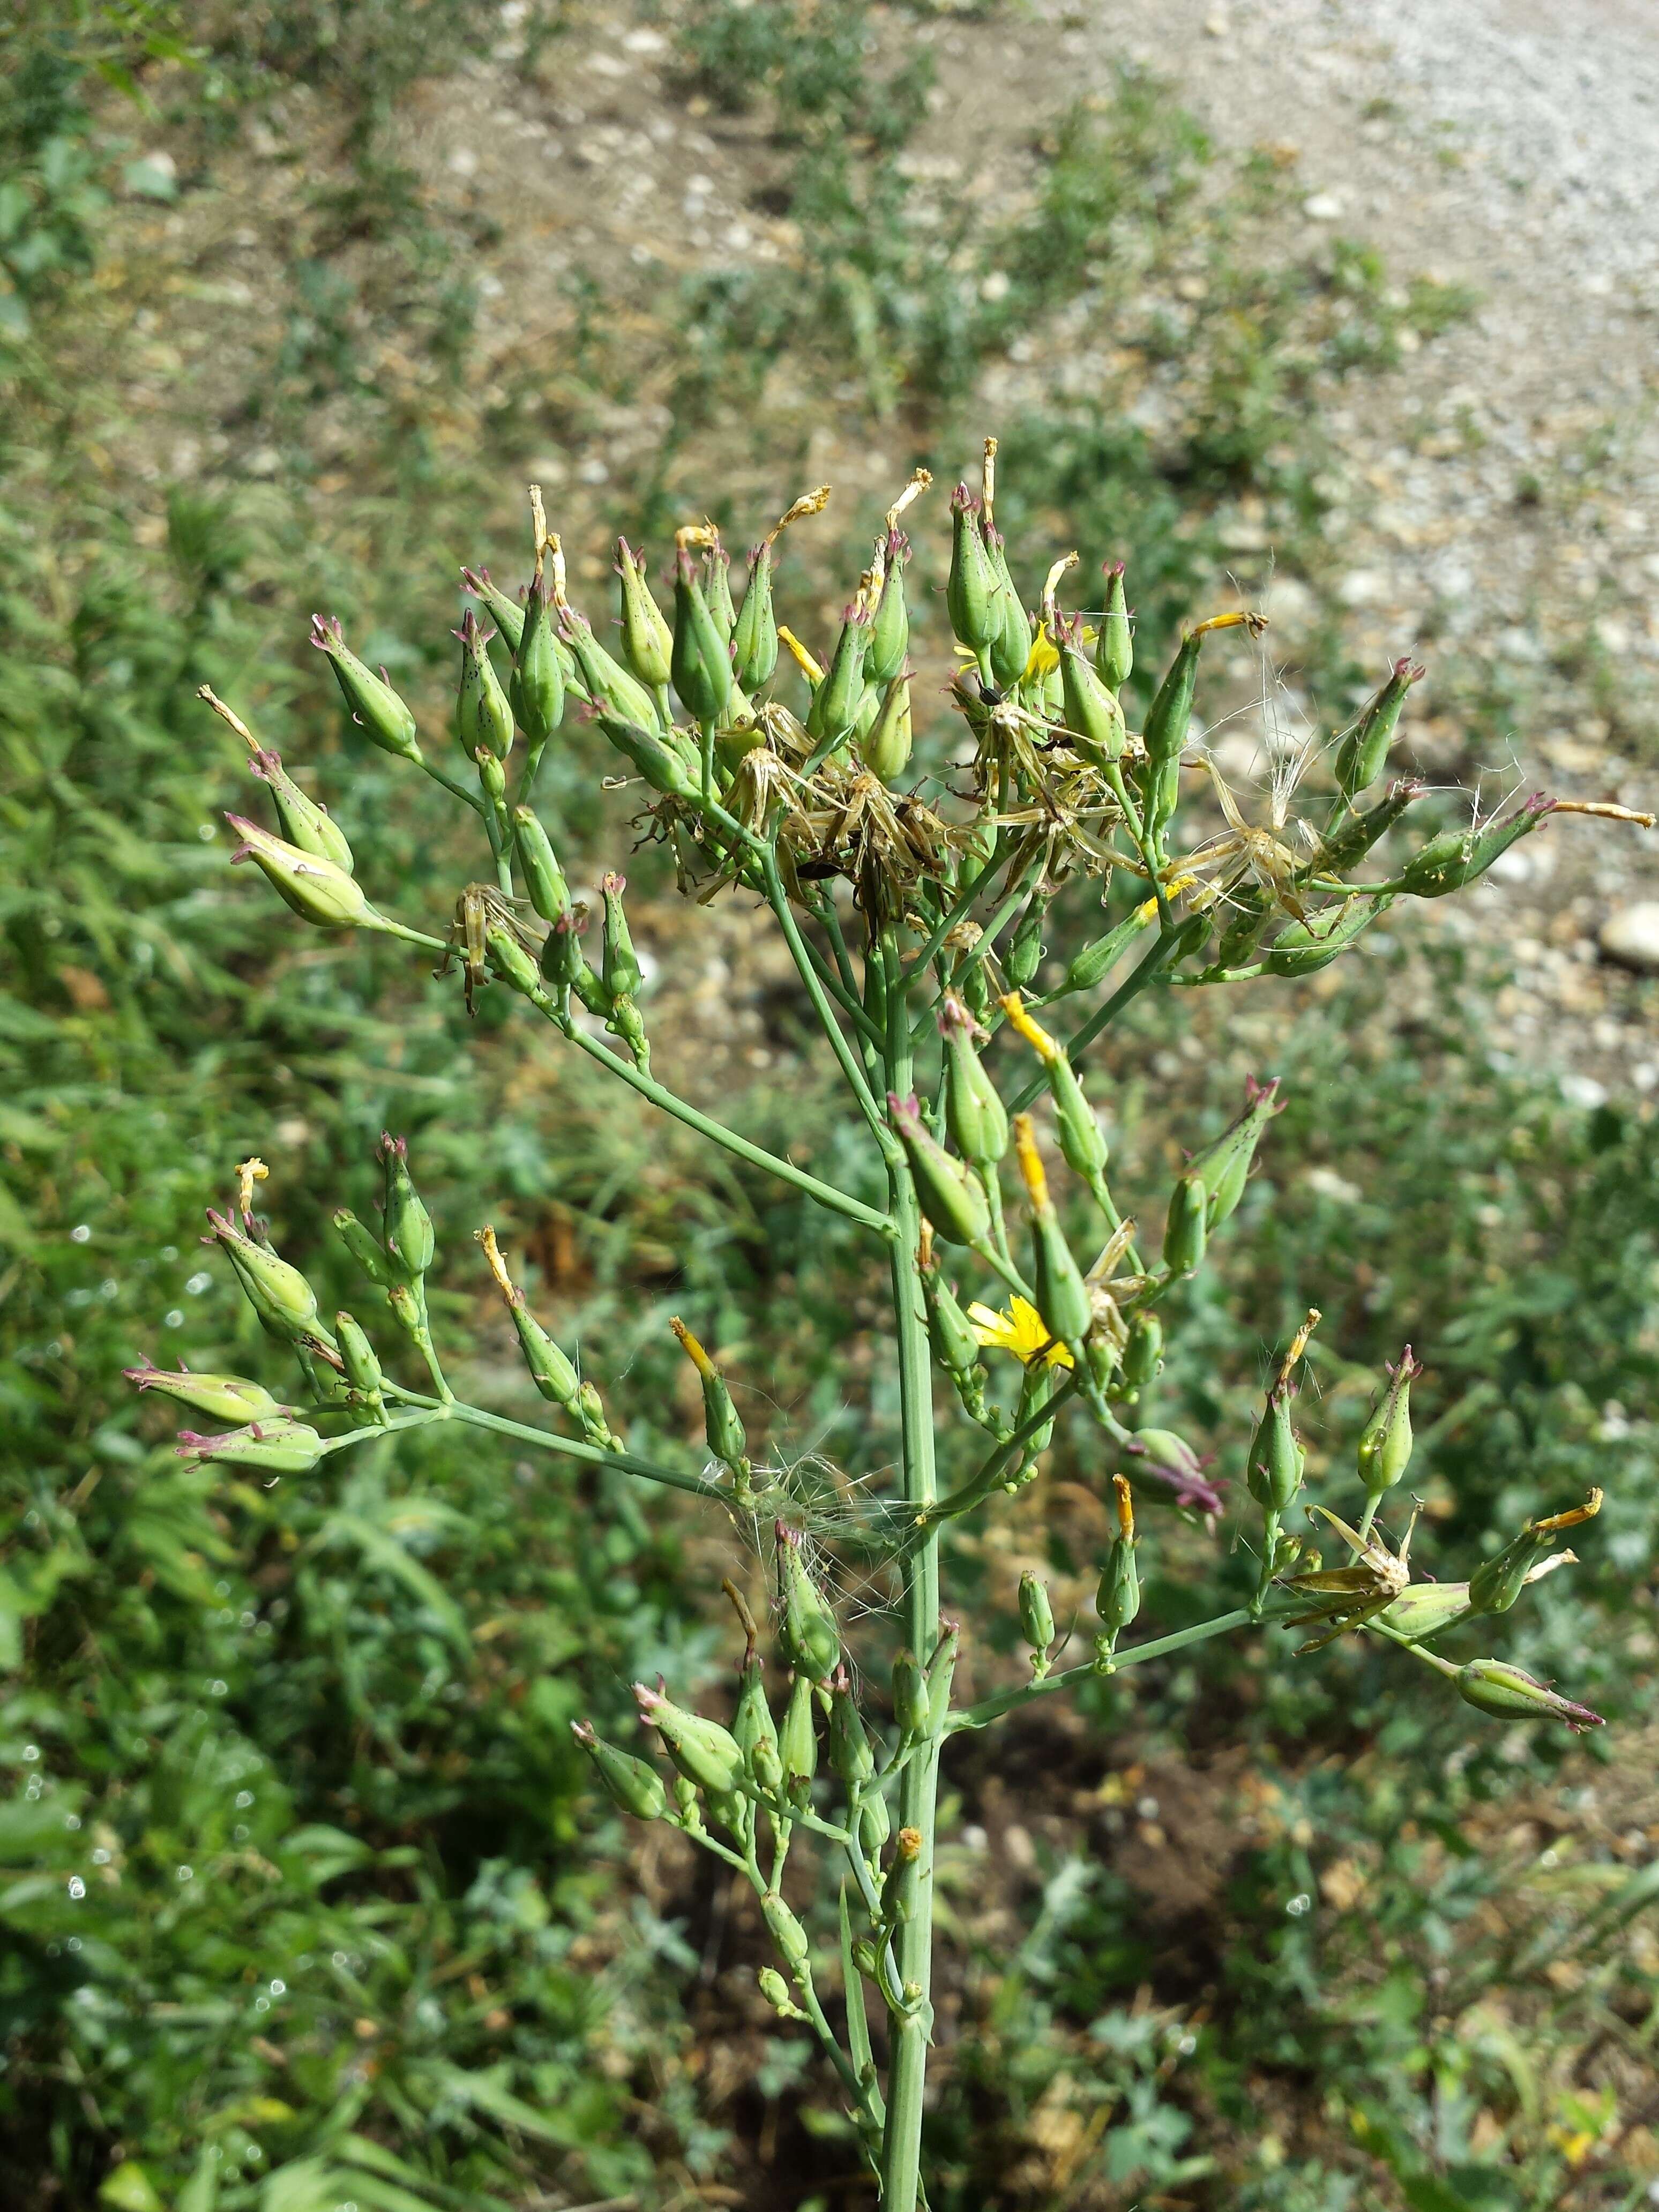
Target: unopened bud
[1223, 1166]
[1114, 646]
[1362, 753]
[632, 1784]
[973, 1114]
[1455, 859]
[1093, 716]
[305, 823]
[1143, 1354]
[810, 1634]
[1186, 1229]
[619, 965]
[941, 1670]
[797, 1740]
[1385, 1442]
[1082, 1141]
[705, 1753]
[1169, 1459]
[909, 1694]
[1510, 1693]
[279, 1294]
[536, 686]
[1273, 1469]
[543, 877]
[1062, 1296]
[362, 1368]
[834, 714]
[277, 1447]
[1011, 644]
[1037, 1615]
[607, 679]
[484, 717]
[951, 1198]
[970, 587]
[1496, 1582]
[701, 662]
[754, 632]
[1026, 948]
[409, 1241]
[317, 890]
[884, 747]
[847, 1743]
[228, 1398]
[775, 1990]
[647, 643]
[785, 1931]
[373, 702]
[890, 628]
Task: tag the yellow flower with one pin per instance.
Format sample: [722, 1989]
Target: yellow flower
[1020, 1330]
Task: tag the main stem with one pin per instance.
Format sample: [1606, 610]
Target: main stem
[911, 2032]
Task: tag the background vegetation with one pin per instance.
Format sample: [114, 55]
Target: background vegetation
[305, 1901]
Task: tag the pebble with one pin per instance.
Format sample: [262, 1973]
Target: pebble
[1632, 936]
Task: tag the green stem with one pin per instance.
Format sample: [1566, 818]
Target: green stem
[901, 2166]
[778, 899]
[1070, 1678]
[838, 1201]
[993, 1469]
[456, 789]
[696, 1485]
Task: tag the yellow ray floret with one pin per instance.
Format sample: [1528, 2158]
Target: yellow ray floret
[1020, 1330]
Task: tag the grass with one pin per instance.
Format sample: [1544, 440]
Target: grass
[475, 2004]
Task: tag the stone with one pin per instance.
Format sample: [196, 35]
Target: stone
[1632, 936]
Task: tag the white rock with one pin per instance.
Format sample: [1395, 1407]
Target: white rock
[1632, 936]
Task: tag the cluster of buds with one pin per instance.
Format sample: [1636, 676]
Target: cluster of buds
[917, 891]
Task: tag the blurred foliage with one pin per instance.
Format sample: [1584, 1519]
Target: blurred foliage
[303, 1901]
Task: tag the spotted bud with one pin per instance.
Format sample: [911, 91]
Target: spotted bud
[797, 1740]
[810, 1634]
[536, 688]
[851, 1760]
[973, 1115]
[701, 662]
[409, 1241]
[305, 823]
[1510, 1693]
[1385, 1442]
[951, 1198]
[647, 643]
[484, 716]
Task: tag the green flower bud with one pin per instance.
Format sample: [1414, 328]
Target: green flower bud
[970, 587]
[306, 824]
[1385, 1443]
[1093, 717]
[753, 1727]
[1224, 1165]
[973, 1115]
[717, 588]
[1114, 655]
[775, 1990]
[1496, 1582]
[1356, 834]
[605, 678]
[563, 965]
[875, 1825]
[902, 1886]
[317, 890]
[536, 685]
[508, 614]
[1095, 962]
[705, 1753]
[1303, 948]
[727, 1439]
[834, 713]
[228, 1398]
[619, 964]
[483, 718]
[1170, 717]
[1423, 1609]
[1142, 1355]
[884, 747]
[543, 877]
[1062, 1296]
[754, 631]
[1455, 859]
[810, 1634]
[797, 1740]
[632, 1784]
[362, 1368]
[1036, 1616]
[280, 1295]
[663, 767]
[785, 1931]
[890, 629]
[410, 1242]
[1010, 643]
[941, 1669]
[910, 1704]
[1509, 1693]
[701, 661]
[955, 1345]
[370, 699]
[953, 1200]
[279, 1447]
[1186, 1229]
[1117, 1598]
[1363, 750]
[647, 643]
[508, 960]
[554, 1376]
[1025, 947]
[851, 1758]
[1273, 1469]
[365, 1249]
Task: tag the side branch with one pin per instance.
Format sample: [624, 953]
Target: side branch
[1070, 1678]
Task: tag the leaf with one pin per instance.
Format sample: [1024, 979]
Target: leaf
[489, 2093]
[130, 2189]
